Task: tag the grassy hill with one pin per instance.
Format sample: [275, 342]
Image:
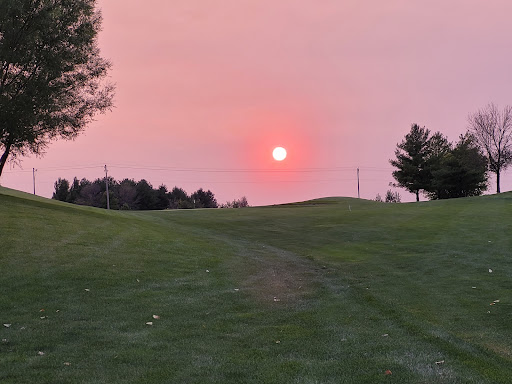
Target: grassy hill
[334, 290]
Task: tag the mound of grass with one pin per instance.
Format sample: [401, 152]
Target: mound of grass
[327, 291]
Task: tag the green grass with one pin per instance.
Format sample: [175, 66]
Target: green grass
[329, 291]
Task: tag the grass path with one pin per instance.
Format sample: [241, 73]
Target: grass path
[330, 291]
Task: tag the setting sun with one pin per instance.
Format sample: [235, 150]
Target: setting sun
[279, 153]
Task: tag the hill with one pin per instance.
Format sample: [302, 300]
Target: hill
[326, 291]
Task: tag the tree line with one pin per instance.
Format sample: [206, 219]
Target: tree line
[129, 194]
[441, 170]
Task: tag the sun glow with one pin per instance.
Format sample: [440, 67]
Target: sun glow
[279, 153]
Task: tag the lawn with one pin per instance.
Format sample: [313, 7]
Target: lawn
[334, 290]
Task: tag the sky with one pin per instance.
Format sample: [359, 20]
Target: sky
[206, 89]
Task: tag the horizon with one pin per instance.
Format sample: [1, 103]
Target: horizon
[204, 94]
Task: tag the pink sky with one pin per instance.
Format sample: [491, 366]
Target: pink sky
[206, 90]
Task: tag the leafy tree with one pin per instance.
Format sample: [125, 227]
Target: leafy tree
[411, 160]
[178, 199]
[237, 203]
[462, 172]
[90, 194]
[61, 190]
[127, 193]
[204, 199]
[52, 77]
[74, 191]
[392, 197]
[492, 130]
[145, 198]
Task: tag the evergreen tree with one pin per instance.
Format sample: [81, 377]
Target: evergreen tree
[411, 161]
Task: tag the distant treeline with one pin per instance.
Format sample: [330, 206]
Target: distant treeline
[135, 195]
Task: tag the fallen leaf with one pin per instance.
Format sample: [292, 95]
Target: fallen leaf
[388, 372]
[156, 317]
[149, 323]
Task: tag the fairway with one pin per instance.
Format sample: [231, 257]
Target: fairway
[335, 290]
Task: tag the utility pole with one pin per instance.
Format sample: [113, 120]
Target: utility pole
[34, 179]
[358, 196]
[106, 183]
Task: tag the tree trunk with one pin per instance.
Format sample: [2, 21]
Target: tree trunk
[4, 157]
[417, 195]
[498, 181]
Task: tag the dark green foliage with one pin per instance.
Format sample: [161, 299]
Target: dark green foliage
[127, 194]
[392, 197]
[51, 73]
[237, 203]
[411, 158]
[130, 195]
[161, 196]
[461, 172]
[146, 198]
[178, 199]
[61, 190]
[439, 169]
[204, 199]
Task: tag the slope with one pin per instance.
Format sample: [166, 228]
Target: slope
[328, 291]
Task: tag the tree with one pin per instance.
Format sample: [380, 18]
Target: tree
[146, 197]
[438, 148]
[493, 133]
[178, 199]
[461, 172]
[392, 197]
[237, 203]
[162, 199]
[127, 194]
[52, 77]
[61, 190]
[411, 160]
[204, 199]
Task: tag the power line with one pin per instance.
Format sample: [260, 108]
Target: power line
[209, 170]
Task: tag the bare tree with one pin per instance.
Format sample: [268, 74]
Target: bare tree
[493, 132]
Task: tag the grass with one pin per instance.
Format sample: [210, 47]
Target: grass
[329, 291]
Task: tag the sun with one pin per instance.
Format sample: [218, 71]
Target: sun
[279, 153]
